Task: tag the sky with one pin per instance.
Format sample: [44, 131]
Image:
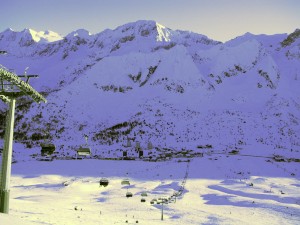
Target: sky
[220, 20]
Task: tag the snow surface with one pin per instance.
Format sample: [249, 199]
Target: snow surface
[219, 189]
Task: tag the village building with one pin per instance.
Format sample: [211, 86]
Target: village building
[136, 151]
[83, 152]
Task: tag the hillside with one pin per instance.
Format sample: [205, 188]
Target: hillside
[145, 82]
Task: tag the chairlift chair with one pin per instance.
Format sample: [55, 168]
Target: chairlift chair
[154, 201]
[125, 182]
[172, 200]
[162, 201]
[128, 194]
[144, 194]
[84, 150]
[104, 182]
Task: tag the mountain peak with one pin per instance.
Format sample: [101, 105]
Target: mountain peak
[264, 39]
[29, 35]
[83, 33]
[146, 28]
[8, 30]
[28, 30]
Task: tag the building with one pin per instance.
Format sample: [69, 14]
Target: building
[83, 152]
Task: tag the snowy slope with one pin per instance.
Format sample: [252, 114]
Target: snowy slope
[146, 82]
[217, 190]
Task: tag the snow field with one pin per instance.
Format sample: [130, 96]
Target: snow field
[218, 190]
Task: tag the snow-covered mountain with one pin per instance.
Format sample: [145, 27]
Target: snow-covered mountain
[145, 82]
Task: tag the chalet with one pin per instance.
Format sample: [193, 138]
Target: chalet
[136, 151]
[83, 152]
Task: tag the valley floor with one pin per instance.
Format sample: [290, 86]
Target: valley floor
[219, 189]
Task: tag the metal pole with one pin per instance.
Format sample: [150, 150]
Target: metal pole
[7, 158]
[162, 211]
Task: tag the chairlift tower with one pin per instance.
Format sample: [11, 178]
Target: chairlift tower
[164, 200]
[86, 137]
[12, 87]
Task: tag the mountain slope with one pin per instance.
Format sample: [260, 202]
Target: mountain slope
[145, 82]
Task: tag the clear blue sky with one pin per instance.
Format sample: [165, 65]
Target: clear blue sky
[218, 19]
